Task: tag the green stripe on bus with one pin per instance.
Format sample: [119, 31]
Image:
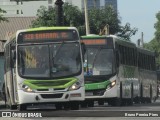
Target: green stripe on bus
[48, 28]
[92, 36]
[95, 86]
[45, 84]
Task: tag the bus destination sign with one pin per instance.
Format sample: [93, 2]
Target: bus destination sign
[94, 41]
[54, 35]
[38, 36]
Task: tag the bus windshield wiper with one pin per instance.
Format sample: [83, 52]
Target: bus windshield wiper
[95, 57]
[59, 48]
[55, 56]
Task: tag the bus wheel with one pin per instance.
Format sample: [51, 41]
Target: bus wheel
[22, 107]
[83, 104]
[58, 106]
[115, 102]
[130, 101]
[90, 103]
[74, 105]
[66, 106]
[100, 102]
[143, 100]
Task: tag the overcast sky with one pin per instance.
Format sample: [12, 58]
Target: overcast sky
[140, 14]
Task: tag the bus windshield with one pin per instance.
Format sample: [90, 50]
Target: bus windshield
[49, 61]
[99, 61]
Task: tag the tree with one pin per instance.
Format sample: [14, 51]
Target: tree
[1, 15]
[155, 43]
[126, 31]
[157, 27]
[72, 17]
[98, 18]
[45, 17]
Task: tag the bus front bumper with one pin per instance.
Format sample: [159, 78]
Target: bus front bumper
[108, 93]
[50, 97]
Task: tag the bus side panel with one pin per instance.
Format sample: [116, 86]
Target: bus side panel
[128, 76]
[148, 80]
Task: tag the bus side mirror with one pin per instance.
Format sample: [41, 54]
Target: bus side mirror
[83, 47]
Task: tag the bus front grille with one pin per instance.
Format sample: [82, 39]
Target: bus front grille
[52, 95]
[99, 92]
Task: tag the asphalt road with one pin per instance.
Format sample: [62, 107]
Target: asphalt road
[105, 112]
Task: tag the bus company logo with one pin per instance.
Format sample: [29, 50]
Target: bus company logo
[6, 114]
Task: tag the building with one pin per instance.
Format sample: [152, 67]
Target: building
[29, 8]
[100, 3]
[110, 2]
[10, 27]
[23, 7]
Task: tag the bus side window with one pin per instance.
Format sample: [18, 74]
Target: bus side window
[117, 58]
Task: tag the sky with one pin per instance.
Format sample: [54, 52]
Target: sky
[140, 14]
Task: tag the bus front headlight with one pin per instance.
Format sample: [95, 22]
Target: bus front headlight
[75, 86]
[26, 88]
[112, 84]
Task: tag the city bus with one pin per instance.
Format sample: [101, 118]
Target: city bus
[44, 65]
[117, 72]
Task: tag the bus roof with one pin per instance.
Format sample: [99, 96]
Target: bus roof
[146, 51]
[117, 39]
[48, 28]
[91, 36]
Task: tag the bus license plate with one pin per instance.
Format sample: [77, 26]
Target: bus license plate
[89, 93]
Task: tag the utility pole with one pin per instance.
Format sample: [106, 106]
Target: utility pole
[86, 17]
[142, 39]
[59, 4]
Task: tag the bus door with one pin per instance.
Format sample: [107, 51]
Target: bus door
[13, 71]
[1, 73]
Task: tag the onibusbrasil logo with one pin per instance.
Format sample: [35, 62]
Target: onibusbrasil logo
[21, 115]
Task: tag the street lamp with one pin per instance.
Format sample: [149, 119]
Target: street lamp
[59, 4]
[86, 17]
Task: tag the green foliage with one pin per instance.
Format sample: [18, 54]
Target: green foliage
[126, 32]
[98, 18]
[1, 15]
[45, 17]
[155, 43]
[157, 27]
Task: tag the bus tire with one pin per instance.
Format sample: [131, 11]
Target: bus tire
[100, 102]
[150, 99]
[58, 106]
[90, 103]
[22, 107]
[83, 104]
[74, 105]
[115, 102]
[66, 106]
[130, 100]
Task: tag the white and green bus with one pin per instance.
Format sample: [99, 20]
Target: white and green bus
[117, 72]
[44, 65]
